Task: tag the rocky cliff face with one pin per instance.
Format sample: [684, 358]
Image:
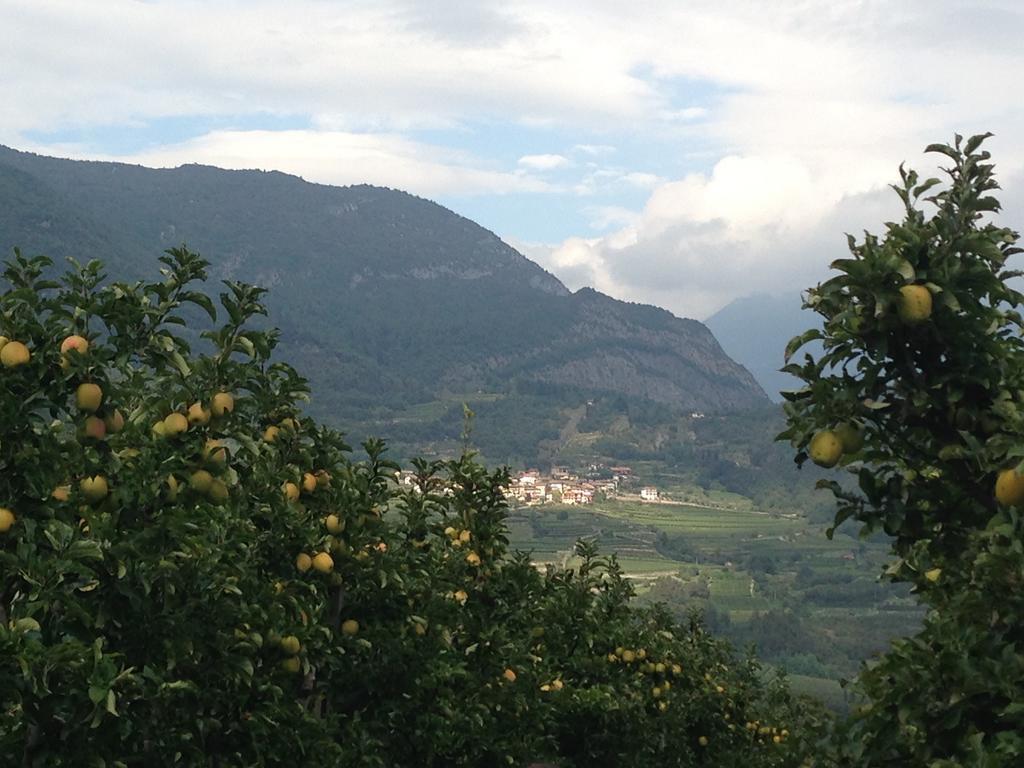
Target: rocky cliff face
[638, 351]
[383, 298]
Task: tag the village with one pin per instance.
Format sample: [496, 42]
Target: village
[562, 486]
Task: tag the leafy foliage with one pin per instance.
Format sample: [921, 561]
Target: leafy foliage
[937, 396]
[211, 580]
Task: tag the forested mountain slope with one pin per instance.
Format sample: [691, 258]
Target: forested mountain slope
[385, 298]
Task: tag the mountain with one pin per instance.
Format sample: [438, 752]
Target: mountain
[754, 331]
[395, 307]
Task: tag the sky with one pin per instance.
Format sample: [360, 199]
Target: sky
[683, 153]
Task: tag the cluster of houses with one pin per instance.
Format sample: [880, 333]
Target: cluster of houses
[565, 487]
[562, 486]
[532, 487]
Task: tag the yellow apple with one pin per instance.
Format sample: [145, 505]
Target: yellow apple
[114, 421]
[175, 424]
[94, 488]
[291, 491]
[1010, 488]
[825, 449]
[13, 354]
[88, 396]
[200, 481]
[915, 304]
[95, 428]
[350, 627]
[198, 415]
[222, 403]
[218, 492]
[323, 563]
[77, 344]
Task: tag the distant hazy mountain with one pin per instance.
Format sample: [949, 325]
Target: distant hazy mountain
[384, 299]
[754, 331]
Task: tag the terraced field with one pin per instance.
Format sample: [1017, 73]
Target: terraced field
[718, 529]
[551, 532]
[631, 530]
[746, 567]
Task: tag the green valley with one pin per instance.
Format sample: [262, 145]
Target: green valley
[810, 605]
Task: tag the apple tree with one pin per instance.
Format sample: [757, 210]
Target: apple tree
[194, 573]
[918, 396]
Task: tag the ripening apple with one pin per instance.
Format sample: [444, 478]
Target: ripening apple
[850, 437]
[218, 492]
[114, 421]
[77, 344]
[13, 354]
[175, 424]
[200, 481]
[323, 563]
[94, 488]
[825, 449]
[215, 452]
[172, 488]
[198, 415]
[222, 403]
[88, 396]
[95, 428]
[1010, 488]
[915, 304]
[350, 627]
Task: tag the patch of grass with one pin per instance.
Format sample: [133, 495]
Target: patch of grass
[825, 690]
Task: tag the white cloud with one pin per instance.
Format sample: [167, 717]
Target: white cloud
[684, 115]
[543, 162]
[108, 61]
[593, 149]
[693, 266]
[758, 133]
[605, 179]
[604, 216]
[640, 179]
[337, 157]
